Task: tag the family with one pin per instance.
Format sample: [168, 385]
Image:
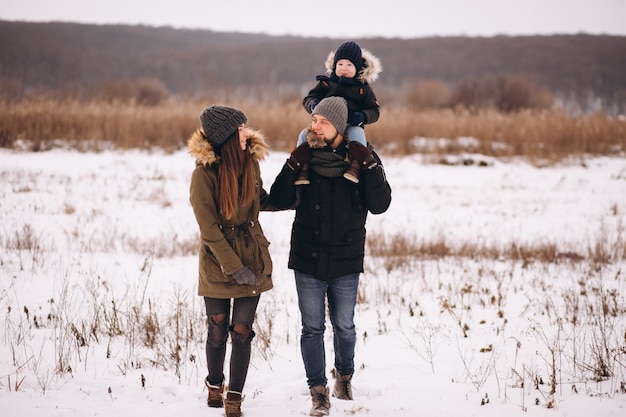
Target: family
[331, 180]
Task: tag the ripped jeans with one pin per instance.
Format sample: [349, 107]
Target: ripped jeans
[239, 326]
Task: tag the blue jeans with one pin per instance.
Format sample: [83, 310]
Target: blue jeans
[341, 294]
[243, 313]
[355, 134]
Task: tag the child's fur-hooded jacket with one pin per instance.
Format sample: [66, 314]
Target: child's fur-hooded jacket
[357, 91]
[227, 245]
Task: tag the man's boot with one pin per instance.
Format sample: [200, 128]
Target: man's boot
[232, 404]
[343, 386]
[321, 402]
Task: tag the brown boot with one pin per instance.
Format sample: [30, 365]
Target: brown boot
[356, 153]
[354, 171]
[215, 398]
[303, 176]
[321, 402]
[343, 386]
[232, 404]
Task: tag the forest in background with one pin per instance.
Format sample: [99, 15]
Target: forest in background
[544, 98]
[84, 61]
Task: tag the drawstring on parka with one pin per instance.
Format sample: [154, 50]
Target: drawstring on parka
[239, 227]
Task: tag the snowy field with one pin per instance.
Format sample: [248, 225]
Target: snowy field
[99, 313]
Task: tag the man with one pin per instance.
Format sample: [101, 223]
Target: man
[328, 241]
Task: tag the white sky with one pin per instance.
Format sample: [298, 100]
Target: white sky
[347, 18]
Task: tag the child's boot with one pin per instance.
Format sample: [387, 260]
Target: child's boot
[360, 158]
[299, 162]
[303, 175]
[354, 171]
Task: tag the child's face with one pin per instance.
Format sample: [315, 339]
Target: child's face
[345, 68]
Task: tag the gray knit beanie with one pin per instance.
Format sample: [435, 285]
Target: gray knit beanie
[219, 122]
[335, 109]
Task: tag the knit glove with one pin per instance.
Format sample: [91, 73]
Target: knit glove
[245, 277]
[313, 103]
[362, 155]
[356, 118]
[299, 156]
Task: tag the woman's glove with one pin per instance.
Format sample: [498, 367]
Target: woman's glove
[245, 277]
[299, 156]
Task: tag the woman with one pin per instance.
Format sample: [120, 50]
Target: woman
[226, 194]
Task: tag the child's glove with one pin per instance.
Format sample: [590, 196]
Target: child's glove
[245, 277]
[299, 156]
[356, 118]
[313, 103]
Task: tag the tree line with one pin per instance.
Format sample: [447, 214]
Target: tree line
[148, 64]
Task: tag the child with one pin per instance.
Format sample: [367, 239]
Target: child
[351, 70]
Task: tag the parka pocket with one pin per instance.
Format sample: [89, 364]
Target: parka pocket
[210, 267]
[264, 255]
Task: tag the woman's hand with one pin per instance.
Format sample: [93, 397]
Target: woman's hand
[245, 277]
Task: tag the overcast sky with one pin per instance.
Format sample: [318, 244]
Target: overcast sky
[340, 18]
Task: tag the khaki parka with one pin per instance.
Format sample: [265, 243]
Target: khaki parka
[227, 245]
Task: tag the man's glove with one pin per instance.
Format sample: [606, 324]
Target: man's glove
[299, 156]
[313, 103]
[356, 118]
[362, 155]
[245, 277]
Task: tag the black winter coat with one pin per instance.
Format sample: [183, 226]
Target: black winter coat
[328, 232]
[359, 96]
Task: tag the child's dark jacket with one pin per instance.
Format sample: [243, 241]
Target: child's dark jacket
[357, 91]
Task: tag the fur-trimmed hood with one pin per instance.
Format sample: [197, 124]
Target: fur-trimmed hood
[371, 66]
[202, 150]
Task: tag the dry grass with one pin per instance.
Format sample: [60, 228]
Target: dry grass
[95, 125]
[463, 300]
[396, 249]
[541, 136]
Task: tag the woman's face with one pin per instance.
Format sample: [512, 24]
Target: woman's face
[244, 134]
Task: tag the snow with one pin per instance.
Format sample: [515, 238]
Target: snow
[96, 245]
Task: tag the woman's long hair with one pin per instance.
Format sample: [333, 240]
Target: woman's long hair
[236, 177]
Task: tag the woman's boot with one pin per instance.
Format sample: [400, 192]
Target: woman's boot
[232, 404]
[215, 398]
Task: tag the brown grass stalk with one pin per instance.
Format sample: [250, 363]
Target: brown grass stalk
[541, 136]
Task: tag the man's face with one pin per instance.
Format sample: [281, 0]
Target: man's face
[323, 128]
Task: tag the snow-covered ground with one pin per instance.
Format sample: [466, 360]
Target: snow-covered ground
[98, 293]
